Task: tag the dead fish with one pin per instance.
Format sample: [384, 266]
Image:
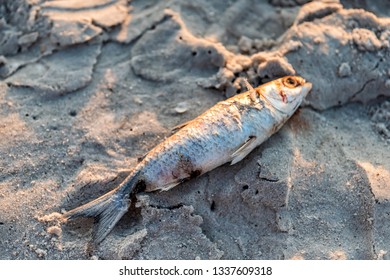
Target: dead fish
[227, 132]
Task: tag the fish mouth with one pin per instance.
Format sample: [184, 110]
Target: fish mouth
[307, 87]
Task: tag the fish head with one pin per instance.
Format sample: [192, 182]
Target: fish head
[286, 94]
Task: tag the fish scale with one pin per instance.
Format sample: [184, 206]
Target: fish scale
[227, 132]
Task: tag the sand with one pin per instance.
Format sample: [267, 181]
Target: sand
[88, 87]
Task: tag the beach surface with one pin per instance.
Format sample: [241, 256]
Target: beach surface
[89, 87]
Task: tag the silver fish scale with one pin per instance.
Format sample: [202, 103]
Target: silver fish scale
[227, 132]
[203, 144]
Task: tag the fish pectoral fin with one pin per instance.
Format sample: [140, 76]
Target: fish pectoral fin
[169, 186]
[244, 150]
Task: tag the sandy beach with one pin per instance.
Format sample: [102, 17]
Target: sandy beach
[87, 88]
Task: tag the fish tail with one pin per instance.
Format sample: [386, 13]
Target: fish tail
[107, 209]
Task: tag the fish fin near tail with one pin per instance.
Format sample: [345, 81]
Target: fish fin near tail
[107, 209]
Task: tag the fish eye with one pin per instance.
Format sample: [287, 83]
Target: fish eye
[290, 82]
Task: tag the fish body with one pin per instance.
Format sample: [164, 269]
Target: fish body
[227, 132]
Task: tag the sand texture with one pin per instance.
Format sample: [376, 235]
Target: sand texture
[88, 87]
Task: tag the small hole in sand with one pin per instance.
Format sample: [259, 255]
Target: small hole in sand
[212, 206]
[194, 53]
[245, 187]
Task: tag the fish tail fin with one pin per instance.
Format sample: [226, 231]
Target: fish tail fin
[107, 209]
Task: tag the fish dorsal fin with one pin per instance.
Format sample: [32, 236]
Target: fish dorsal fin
[248, 85]
[244, 150]
[180, 126]
[252, 91]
